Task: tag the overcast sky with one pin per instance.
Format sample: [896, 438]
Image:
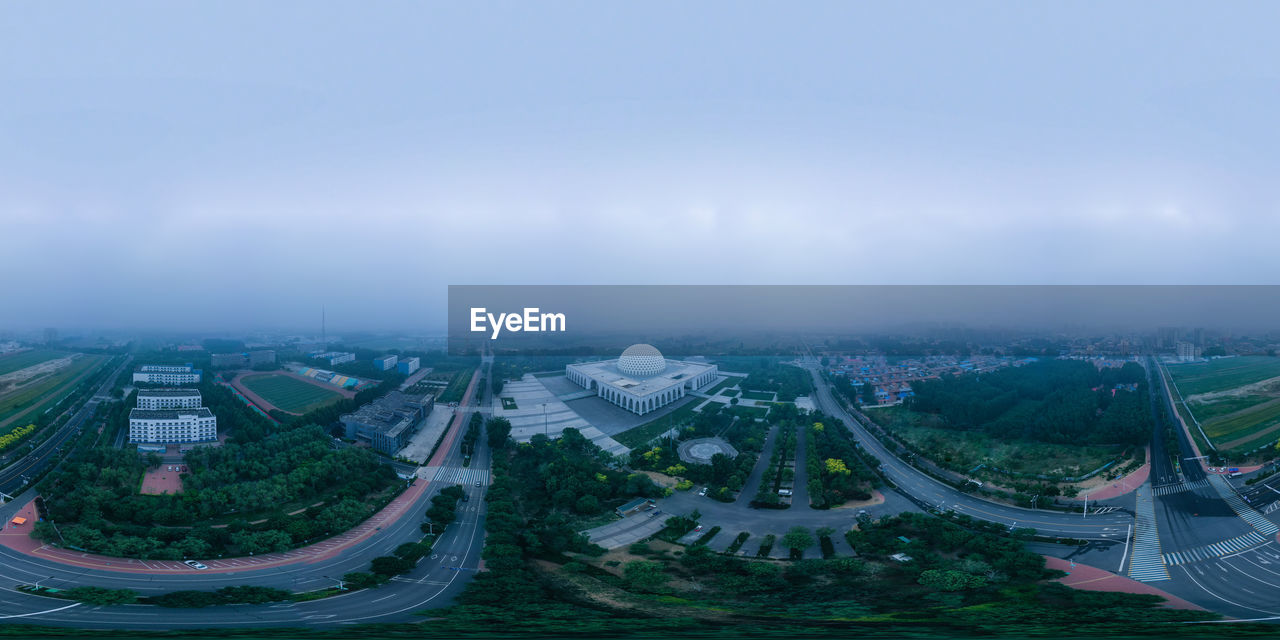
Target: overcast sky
[224, 164]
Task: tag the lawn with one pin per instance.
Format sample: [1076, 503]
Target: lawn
[457, 386]
[11, 362]
[47, 392]
[288, 393]
[727, 382]
[758, 395]
[961, 450]
[509, 404]
[641, 434]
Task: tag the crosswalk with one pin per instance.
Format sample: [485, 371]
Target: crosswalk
[1271, 507]
[455, 475]
[1255, 519]
[1147, 564]
[1101, 510]
[1170, 489]
[1215, 550]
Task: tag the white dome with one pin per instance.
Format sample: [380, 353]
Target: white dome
[641, 360]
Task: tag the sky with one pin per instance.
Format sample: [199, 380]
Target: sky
[219, 165]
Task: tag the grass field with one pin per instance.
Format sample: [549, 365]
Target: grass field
[509, 404]
[11, 362]
[641, 434]
[727, 382]
[1223, 373]
[36, 398]
[758, 395]
[288, 393]
[961, 451]
[457, 386]
[1235, 411]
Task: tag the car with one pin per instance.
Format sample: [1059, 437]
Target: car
[168, 468]
[194, 565]
[477, 483]
[697, 528]
[703, 492]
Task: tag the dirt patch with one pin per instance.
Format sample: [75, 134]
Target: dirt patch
[1268, 387]
[876, 498]
[660, 479]
[163, 479]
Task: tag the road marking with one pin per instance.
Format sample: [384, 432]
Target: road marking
[1255, 519]
[1126, 549]
[38, 613]
[1148, 563]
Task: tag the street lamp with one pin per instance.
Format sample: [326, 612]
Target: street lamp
[546, 431]
[341, 585]
[42, 580]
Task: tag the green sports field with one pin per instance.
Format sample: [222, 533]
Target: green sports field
[288, 393]
[1235, 400]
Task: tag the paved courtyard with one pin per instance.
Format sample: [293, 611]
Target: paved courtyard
[538, 410]
[429, 432]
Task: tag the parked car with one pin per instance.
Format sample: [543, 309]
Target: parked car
[703, 492]
[697, 528]
[194, 565]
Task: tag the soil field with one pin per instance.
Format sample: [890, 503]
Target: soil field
[1235, 400]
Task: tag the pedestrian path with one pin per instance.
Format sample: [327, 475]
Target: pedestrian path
[1215, 550]
[1255, 519]
[1170, 489]
[1147, 564]
[455, 475]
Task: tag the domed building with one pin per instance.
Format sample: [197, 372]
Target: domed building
[641, 380]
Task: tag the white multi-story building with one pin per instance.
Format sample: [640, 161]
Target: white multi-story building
[641, 380]
[170, 426]
[335, 357]
[173, 374]
[158, 399]
[385, 362]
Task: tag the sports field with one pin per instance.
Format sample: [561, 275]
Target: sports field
[11, 362]
[288, 393]
[1235, 400]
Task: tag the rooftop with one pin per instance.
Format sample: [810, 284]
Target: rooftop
[168, 414]
[169, 392]
[674, 373]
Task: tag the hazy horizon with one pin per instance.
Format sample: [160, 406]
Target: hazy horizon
[202, 167]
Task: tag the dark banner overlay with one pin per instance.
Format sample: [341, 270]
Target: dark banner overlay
[590, 320]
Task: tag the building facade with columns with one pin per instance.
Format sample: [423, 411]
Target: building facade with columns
[642, 380]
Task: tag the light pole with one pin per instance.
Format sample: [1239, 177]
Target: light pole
[342, 586]
[42, 580]
[546, 431]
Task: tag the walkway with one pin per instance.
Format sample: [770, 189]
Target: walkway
[1147, 564]
[1089, 578]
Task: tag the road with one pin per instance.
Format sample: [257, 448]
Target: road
[14, 477]
[928, 491]
[435, 582]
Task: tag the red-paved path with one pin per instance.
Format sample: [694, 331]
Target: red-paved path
[1121, 486]
[1095, 579]
[19, 538]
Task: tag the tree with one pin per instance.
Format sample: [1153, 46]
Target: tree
[868, 393]
[499, 430]
[644, 575]
[390, 565]
[798, 538]
[836, 466]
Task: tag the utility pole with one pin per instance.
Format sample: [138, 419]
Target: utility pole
[1085, 513]
[545, 429]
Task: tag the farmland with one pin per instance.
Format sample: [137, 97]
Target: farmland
[288, 393]
[27, 402]
[1235, 400]
[18, 361]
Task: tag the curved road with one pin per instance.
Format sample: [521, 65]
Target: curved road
[433, 583]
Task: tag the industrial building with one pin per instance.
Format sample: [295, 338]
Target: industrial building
[407, 366]
[227, 360]
[388, 422]
[335, 357]
[160, 399]
[171, 374]
[261, 357]
[385, 362]
[642, 380]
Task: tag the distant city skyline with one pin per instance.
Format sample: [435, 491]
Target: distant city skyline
[195, 167]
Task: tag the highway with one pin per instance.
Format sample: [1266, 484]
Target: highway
[14, 477]
[435, 582]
